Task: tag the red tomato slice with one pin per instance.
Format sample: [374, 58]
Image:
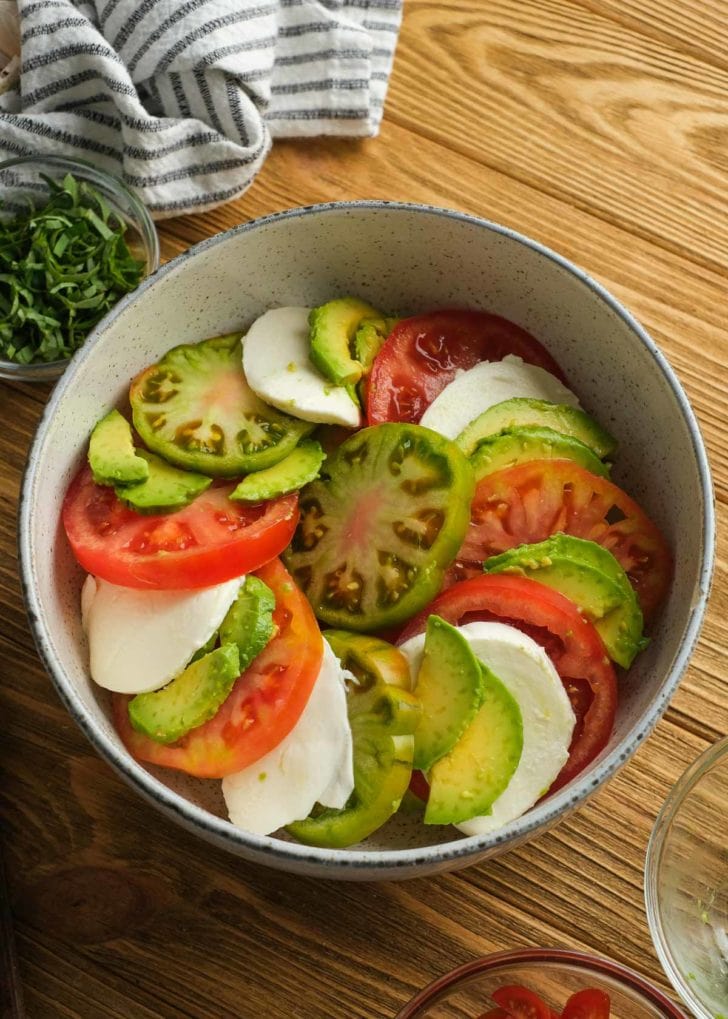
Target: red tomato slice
[520, 1003]
[494, 1013]
[588, 1004]
[262, 707]
[572, 643]
[422, 355]
[208, 542]
[534, 500]
[419, 786]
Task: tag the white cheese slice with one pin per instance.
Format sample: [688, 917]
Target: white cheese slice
[140, 640]
[527, 672]
[313, 764]
[473, 392]
[278, 369]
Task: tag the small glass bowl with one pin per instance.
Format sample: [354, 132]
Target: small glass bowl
[549, 972]
[686, 885]
[22, 179]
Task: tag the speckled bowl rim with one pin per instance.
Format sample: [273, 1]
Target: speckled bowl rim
[266, 849]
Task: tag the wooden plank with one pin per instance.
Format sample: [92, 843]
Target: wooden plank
[576, 105]
[698, 29]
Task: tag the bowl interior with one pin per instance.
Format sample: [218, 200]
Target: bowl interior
[405, 260]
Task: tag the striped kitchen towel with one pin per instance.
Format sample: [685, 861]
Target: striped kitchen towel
[180, 98]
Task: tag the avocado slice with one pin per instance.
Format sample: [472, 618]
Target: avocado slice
[191, 699]
[249, 620]
[592, 578]
[333, 326]
[517, 445]
[450, 690]
[166, 489]
[382, 719]
[467, 781]
[368, 339]
[295, 471]
[522, 411]
[111, 454]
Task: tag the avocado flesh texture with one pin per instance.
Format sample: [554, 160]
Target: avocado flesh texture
[290, 474]
[249, 621]
[166, 489]
[382, 719]
[591, 577]
[333, 327]
[190, 700]
[450, 690]
[467, 781]
[522, 411]
[368, 339]
[518, 445]
[111, 454]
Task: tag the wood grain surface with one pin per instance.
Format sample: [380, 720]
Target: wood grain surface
[599, 127]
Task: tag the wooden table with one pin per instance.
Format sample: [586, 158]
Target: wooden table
[599, 127]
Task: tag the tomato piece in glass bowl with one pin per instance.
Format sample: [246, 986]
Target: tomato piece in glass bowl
[424, 353]
[264, 704]
[208, 542]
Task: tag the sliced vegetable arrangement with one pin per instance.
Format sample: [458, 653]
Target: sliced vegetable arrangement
[462, 579]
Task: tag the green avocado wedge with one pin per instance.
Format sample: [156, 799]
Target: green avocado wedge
[111, 454]
[249, 621]
[333, 327]
[383, 719]
[298, 469]
[450, 689]
[524, 412]
[467, 781]
[517, 445]
[368, 340]
[591, 577]
[166, 488]
[190, 700]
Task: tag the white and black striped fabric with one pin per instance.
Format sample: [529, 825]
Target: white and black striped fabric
[180, 98]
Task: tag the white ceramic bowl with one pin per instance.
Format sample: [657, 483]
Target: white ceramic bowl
[408, 258]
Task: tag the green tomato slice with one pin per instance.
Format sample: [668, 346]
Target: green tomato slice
[377, 533]
[196, 410]
[383, 718]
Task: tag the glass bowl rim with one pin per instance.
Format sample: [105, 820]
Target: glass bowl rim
[46, 371]
[581, 960]
[701, 766]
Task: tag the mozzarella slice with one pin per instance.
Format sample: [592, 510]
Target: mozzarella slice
[313, 764]
[473, 392]
[527, 672]
[140, 640]
[278, 369]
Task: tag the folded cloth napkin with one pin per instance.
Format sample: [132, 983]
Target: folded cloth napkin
[180, 98]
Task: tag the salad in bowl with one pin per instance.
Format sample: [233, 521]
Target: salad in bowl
[367, 540]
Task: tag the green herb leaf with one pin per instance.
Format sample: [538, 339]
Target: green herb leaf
[62, 267]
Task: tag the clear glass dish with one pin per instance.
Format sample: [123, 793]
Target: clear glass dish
[551, 973]
[686, 885]
[22, 180]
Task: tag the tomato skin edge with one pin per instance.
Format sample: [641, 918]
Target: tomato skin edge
[507, 597]
[226, 743]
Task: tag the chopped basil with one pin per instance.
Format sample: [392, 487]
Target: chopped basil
[61, 268]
